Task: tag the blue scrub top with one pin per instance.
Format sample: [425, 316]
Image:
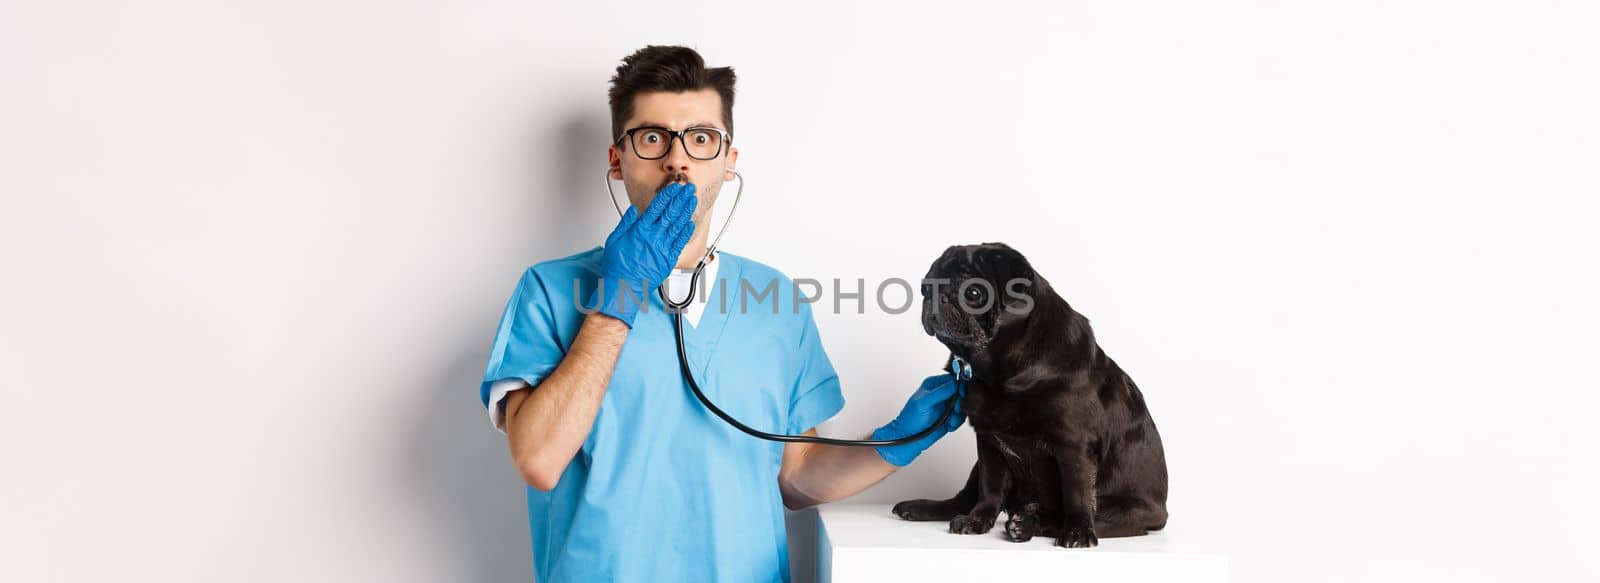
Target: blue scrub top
[662, 489]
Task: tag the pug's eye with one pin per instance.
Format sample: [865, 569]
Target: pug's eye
[974, 296]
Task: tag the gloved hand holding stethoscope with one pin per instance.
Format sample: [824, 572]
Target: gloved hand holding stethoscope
[641, 252]
[925, 407]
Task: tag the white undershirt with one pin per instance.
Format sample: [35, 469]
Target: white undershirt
[677, 289]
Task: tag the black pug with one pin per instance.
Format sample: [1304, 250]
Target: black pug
[1065, 444]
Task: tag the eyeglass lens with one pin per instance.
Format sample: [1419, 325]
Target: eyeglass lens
[701, 144]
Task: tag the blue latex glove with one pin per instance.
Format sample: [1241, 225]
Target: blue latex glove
[923, 409]
[641, 251]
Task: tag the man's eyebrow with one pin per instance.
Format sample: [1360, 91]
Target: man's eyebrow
[698, 124]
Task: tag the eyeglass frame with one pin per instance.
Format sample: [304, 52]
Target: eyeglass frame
[681, 136]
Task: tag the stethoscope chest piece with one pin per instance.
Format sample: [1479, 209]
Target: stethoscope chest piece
[961, 368]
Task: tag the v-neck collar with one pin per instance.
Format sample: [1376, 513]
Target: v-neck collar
[680, 280]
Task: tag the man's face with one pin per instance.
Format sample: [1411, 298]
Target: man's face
[674, 111]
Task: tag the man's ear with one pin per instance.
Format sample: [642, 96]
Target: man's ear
[733, 160]
[614, 159]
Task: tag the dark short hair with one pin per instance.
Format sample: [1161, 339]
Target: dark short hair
[666, 68]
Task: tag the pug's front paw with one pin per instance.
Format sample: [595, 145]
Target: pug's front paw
[1079, 534]
[924, 510]
[1022, 525]
[971, 524]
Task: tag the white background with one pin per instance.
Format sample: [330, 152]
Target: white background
[255, 253]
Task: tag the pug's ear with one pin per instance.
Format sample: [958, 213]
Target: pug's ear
[1038, 288]
[1023, 293]
[1017, 266]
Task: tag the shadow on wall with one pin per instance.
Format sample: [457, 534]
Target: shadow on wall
[458, 464]
[802, 529]
[464, 481]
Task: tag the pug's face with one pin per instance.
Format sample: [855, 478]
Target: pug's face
[974, 294]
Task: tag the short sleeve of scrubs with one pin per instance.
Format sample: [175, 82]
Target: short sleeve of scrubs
[526, 346]
[817, 396]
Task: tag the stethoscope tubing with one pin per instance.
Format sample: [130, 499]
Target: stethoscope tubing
[688, 375]
[683, 356]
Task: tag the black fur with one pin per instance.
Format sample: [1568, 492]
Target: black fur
[1065, 444]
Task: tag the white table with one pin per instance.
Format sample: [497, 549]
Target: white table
[866, 543]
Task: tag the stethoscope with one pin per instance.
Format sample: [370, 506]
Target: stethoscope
[963, 371]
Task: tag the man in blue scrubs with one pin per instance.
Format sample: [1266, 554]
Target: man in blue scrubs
[629, 477]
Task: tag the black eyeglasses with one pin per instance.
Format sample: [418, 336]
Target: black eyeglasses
[653, 143]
